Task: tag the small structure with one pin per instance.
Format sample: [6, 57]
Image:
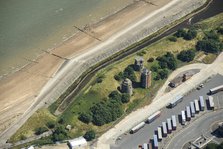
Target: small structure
[77, 142]
[138, 65]
[68, 127]
[126, 86]
[146, 78]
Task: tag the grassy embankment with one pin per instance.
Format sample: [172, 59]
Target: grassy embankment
[95, 92]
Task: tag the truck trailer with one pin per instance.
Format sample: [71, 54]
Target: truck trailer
[197, 108]
[175, 101]
[188, 113]
[211, 102]
[183, 117]
[155, 142]
[216, 89]
[174, 122]
[202, 105]
[159, 131]
[192, 108]
[153, 116]
[169, 125]
[137, 127]
[164, 128]
[145, 146]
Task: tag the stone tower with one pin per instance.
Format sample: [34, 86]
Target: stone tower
[126, 86]
[146, 78]
[138, 65]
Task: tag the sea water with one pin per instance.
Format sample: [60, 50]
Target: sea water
[27, 27]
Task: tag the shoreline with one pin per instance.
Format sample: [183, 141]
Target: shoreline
[66, 39]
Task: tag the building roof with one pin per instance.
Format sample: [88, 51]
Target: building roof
[77, 142]
[139, 58]
[127, 81]
[146, 71]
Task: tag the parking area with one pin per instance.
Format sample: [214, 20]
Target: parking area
[145, 134]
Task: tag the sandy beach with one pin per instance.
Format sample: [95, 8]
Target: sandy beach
[27, 90]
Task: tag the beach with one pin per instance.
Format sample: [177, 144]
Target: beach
[40, 82]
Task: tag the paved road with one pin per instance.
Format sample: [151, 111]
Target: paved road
[201, 126]
[131, 141]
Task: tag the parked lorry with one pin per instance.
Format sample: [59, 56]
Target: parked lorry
[202, 104]
[137, 127]
[183, 117]
[174, 122]
[176, 100]
[188, 113]
[145, 146]
[211, 102]
[169, 125]
[153, 116]
[164, 128]
[159, 132]
[197, 108]
[155, 142]
[216, 89]
[192, 108]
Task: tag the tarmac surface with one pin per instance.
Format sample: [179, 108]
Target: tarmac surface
[132, 141]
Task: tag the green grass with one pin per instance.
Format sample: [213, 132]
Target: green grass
[96, 92]
[209, 58]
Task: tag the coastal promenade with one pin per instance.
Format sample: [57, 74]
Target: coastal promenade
[40, 84]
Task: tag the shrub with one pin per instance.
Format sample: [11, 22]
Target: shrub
[59, 133]
[50, 124]
[210, 46]
[186, 55]
[129, 73]
[180, 33]
[150, 60]
[167, 61]
[61, 121]
[40, 130]
[114, 95]
[125, 98]
[163, 73]
[89, 135]
[85, 117]
[172, 38]
[155, 68]
[119, 76]
[220, 30]
[191, 34]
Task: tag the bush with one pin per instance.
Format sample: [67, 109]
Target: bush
[119, 76]
[191, 34]
[89, 135]
[154, 68]
[50, 124]
[163, 73]
[61, 121]
[150, 60]
[23, 137]
[220, 30]
[40, 130]
[114, 95]
[99, 79]
[125, 98]
[85, 117]
[212, 35]
[172, 38]
[210, 46]
[59, 133]
[167, 61]
[129, 73]
[186, 55]
[180, 33]
[105, 112]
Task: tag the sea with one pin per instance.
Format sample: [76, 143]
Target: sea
[29, 27]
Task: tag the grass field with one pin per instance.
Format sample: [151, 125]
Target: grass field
[95, 92]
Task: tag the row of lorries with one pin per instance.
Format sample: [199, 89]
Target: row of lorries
[171, 124]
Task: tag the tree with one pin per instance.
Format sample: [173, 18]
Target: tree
[59, 133]
[172, 38]
[89, 135]
[85, 117]
[119, 76]
[61, 121]
[167, 61]
[212, 35]
[40, 130]
[220, 30]
[125, 98]
[50, 124]
[150, 60]
[191, 34]
[186, 55]
[211, 146]
[210, 46]
[163, 73]
[180, 33]
[129, 73]
[114, 95]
